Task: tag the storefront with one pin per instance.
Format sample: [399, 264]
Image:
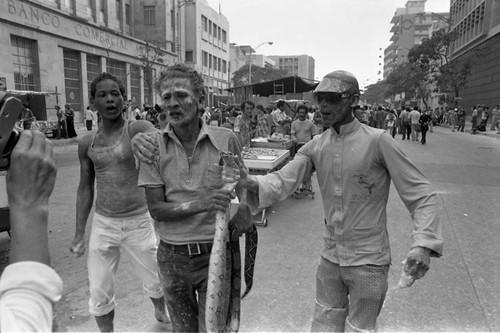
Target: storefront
[47, 50]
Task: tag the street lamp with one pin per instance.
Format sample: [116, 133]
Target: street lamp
[250, 59]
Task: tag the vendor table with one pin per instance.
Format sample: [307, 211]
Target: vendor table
[266, 143]
[264, 165]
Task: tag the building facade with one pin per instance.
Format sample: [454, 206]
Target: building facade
[206, 45]
[241, 55]
[410, 25]
[477, 25]
[60, 46]
[299, 65]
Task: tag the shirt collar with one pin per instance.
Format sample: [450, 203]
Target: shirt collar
[205, 131]
[347, 128]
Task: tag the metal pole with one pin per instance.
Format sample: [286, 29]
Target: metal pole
[250, 68]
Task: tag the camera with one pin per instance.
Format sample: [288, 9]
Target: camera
[10, 109]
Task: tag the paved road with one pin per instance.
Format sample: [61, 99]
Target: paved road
[460, 292]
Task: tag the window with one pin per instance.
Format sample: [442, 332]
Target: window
[215, 30]
[205, 58]
[204, 23]
[224, 36]
[149, 15]
[209, 27]
[210, 61]
[119, 10]
[118, 69]
[219, 33]
[70, 4]
[102, 12]
[91, 9]
[189, 56]
[25, 63]
[224, 66]
[93, 68]
[219, 64]
[127, 13]
[135, 84]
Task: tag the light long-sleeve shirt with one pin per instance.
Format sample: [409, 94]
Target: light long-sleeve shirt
[354, 169]
[27, 291]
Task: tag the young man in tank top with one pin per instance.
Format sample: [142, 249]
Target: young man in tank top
[121, 219]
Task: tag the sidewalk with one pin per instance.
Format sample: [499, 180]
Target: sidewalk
[468, 127]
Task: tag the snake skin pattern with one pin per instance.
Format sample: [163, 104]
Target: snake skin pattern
[214, 317]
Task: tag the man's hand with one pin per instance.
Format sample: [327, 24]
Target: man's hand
[77, 247]
[418, 262]
[246, 180]
[32, 172]
[242, 220]
[216, 200]
[145, 147]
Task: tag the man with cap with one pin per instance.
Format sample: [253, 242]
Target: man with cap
[355, 165]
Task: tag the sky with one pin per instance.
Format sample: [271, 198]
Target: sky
[338, 34]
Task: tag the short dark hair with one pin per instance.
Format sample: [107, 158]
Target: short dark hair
[106, 76]
[247, 102]
[280, 103]
[302, 106]
[183, 72]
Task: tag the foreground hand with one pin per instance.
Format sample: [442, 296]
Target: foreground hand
[77, 247]
[32, 171]
[216, 200]
[417, 262]
[242, 220]
[145, 147]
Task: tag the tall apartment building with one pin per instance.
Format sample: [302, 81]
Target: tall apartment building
[59, 46]
[410, 25]
[299, 65]
[206, 44]
[477, 25]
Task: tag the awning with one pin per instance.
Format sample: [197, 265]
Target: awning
[29, 92]
[283, 86]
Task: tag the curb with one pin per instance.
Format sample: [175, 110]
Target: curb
[491, 135]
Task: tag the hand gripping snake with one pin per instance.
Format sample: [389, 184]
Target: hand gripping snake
[215, 319]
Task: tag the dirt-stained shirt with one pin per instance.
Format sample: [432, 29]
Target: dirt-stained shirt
[116, 176]
[188, 178]
[354, 170]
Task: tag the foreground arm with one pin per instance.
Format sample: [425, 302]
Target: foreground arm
[28, 285]
[84, 197]
[144, 143]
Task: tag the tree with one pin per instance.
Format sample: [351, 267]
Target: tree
[375, 93]
[152, 57]
[259, 74]
[433, 56]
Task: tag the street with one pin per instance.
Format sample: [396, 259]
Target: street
[461, 291]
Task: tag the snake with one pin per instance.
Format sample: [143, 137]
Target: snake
[215, 318]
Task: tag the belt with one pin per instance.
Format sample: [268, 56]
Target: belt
[192, 249]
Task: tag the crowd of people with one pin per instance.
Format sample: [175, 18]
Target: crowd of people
[170, 197]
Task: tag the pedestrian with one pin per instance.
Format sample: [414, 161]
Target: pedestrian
[302, 131]
[242, 124]
[318, 121]
[495, 113]
[380, 116]
[29, 287]
[280, 119]
[263, 128]
[70, 120]
[461, 119]
[27, 116]
[62, 129]
[484, 118]
[425, 120]
[89, 118]
[121, 221]
[473, 120]
[184, 193]
[360, 114]
[390, 123]
[405, 123]
[415, 124]
[454, 119]
[354, 165]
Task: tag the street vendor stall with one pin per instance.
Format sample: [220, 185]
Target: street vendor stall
[262, 161]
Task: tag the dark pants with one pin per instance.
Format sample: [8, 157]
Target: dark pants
[184, 279]
[88, 123]
[62, 129]
[461, 124]
[406, 131]
[424, 130]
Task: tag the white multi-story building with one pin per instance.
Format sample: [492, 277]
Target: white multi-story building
[241, 55]
[59, 46]
[299, 65]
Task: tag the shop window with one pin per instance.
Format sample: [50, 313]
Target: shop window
[93, 68]
[25, 63]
